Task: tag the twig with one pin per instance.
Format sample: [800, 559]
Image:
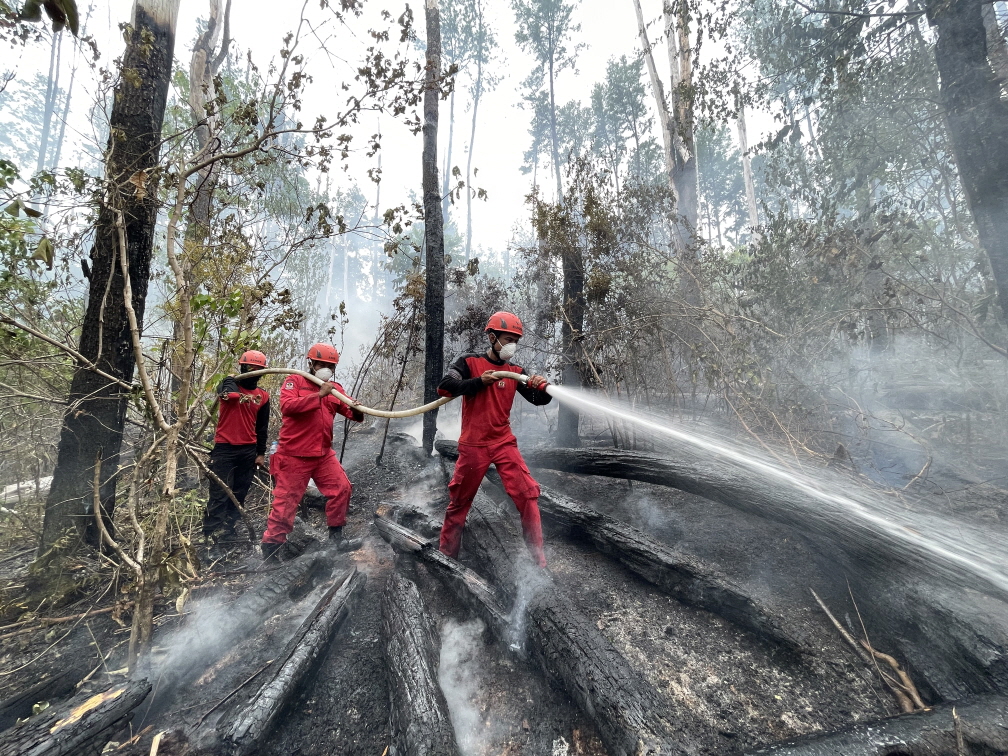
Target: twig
[908, 687]
[46, 621]
[904, 701]
[957, 725]
[12, 557]
[230, 695]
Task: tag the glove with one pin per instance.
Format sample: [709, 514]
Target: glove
[228, 386]
[537, 382]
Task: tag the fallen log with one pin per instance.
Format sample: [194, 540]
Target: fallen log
[944, 609]
[243, 729]
[682, 576]
[80, 727]
[982, 725]
[471, 589]
[418, 714]
[631, 716]
[19, 705]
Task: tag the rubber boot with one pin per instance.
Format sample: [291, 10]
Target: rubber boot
[343, 544]
[273, 552]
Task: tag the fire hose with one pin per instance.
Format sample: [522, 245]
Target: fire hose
[498, 375]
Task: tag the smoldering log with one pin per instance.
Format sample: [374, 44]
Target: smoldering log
[53, 686]
[243, 728]
[631, 716]
[418, 715]
[982, 722]
[682, 576]
[81, 727]
[471, 589]
[947, 621]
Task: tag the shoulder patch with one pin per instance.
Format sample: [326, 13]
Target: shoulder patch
[289, 384]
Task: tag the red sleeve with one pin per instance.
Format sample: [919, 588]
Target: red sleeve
[341, 408]
[291, 400]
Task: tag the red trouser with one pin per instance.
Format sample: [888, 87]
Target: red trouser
[290, 481]
[473, 462]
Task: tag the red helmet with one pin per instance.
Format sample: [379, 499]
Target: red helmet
[323, 353]
[505, 322]
[252, 357]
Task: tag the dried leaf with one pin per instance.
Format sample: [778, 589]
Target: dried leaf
[139, 180]
[180, 602]
[45, 251]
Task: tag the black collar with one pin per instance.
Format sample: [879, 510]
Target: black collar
[491, 359]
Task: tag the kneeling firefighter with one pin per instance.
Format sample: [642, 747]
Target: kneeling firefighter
[239, 444]
[486, 434]
[304, 452]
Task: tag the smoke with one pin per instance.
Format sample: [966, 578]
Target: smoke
[460, 678]
[531, 581]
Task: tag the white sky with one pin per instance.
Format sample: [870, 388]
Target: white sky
[608, 29]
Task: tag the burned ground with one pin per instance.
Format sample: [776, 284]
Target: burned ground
[728, 681]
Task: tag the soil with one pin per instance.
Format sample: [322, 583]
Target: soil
[726, 678]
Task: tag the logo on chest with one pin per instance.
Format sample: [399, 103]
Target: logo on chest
[500, 384]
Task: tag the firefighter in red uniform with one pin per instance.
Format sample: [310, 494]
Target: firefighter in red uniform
[486, 434]
[239, 445]
[305, 453]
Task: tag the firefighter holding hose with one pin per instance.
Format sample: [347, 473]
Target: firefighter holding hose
[486, 434]
[304, 452]
[239, 445]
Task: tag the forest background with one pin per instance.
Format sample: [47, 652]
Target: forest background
[767, 217]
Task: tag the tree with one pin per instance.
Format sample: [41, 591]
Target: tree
[433, 225]
[102, 382]
[977, 121]
[484, 47]
[544, 31]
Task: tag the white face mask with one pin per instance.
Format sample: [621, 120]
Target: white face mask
[508, 351]
[323, 373]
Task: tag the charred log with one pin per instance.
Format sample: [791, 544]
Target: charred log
[81, 727]
[19, 706]
[684, 577]
[982, 724]
[243, 729]
[471, 589]
[418, 717]
[631, 716]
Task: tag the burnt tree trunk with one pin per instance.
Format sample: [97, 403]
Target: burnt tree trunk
[418, 713]
[956, 638]
[982, 723]
[243, 729]
[632, 718]
[977, 120]
[684, 577]
[433, 226]
[471, 589]
[94, 423]
[573, 311]
[80, 727]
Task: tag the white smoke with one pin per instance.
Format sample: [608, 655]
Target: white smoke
[459, 676]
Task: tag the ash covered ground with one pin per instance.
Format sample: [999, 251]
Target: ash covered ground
[731, 681]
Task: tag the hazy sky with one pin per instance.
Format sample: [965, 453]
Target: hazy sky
[608, 29]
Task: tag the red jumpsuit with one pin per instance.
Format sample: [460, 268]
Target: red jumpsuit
[304, 452]
[487, 439]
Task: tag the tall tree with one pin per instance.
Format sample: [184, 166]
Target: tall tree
[456, 51]
[99, 393]
[544, 30]
[484, 46]
[433, 226]
[52, 93]
[747, 176]
[977, 121]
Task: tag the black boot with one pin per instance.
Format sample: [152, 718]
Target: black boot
[343, 544]
[273, 552]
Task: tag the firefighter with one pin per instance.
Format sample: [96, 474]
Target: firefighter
[486, 434]
[304, 453]
[239, 445]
